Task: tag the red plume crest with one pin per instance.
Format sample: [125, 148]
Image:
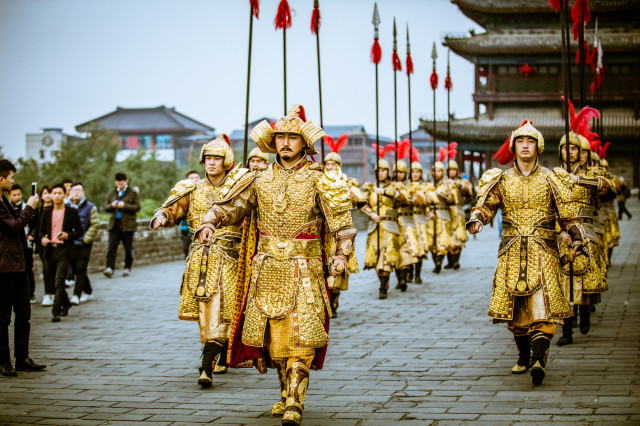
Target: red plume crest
[451, 153]
[603, 150]
[283, 17]
[226, 138]
[397, 65]
[376, 52]
[315, 20]
[382, 151]
[434, 80]
[337, 146]
[255, 7]
[302, 114]
[409, 64]
[595, 146]
[504, 156]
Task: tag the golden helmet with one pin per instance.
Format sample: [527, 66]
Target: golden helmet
[452, 165]
[595, 156]
[255, 152]
[438, 165]
[416, 165]
[604, 162]
[584, 143]
[383, 164]
[333, 156]
[294, 122]
[400, 166]
[220, 147]
[526, 129]
[574, 139]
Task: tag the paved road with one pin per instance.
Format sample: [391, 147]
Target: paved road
[427, 356]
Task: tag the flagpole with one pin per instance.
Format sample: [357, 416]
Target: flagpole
[315, 27]
[395, 96]
[375, 57]
[252, 11]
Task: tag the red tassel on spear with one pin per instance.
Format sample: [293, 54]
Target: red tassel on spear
[434, 80]
[448, 85]
[397, 65]
[255, 7]
[315, 19]
[409, 64]
[581, 15]
[283, 17]
[376, 52]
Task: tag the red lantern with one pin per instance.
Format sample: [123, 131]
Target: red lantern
[526, 70]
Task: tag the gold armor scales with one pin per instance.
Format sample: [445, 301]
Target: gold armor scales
[589, 272]
[394, 194]
[410, 248]
[439, 197]
[287, 302]
[420, 216]
[462, 189]
[526, 287]
[209, 281]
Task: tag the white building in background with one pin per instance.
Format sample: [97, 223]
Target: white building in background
[42, 146]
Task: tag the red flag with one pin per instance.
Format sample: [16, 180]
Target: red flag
[255, 7]
[283, 18]
[434, 80]
[448, 85]
[409, 64]
[315, 20]
[397, 65]
[376, 52]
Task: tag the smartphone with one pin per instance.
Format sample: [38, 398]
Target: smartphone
[34, 188]
[59, 235]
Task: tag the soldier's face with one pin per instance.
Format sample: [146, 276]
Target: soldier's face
[453, 173]
[289, 145]
[526, 148]
[438, 173]
[255, 162]
[383, 174]
[401, 175]
[574, 153]
[331, 165]
[194, 177]
[416, 175]
[584, 157]
[214, 165]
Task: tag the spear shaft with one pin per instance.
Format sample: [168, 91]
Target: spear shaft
[284, 56]
[319, 74]
[246, 114]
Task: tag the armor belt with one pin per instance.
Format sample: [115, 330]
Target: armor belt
[288, 248]
[390, 215]
[421, 219]
[405, 211]
[443, 213]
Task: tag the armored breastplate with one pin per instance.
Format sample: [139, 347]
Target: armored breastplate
[387, 204]
[201, 199]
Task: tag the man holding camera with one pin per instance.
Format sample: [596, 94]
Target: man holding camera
[14, 287]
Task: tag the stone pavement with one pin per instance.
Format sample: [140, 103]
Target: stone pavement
[427, 356]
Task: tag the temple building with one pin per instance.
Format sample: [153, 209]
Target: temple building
[518, 75]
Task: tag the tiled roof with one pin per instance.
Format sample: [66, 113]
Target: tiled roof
[539, 6]
[148, 119]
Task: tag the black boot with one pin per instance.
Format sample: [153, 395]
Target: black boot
[398, 279]
[450, 261]
[567, 333]
[210, 352]
[221, 366]
[539, 351]
[418, 272]
[437, 260]
[384, 286]
[402, 284]
[456, 261]
[410, 274]
[523, 343]
[335, 295]
[574, 318]
[585, 319]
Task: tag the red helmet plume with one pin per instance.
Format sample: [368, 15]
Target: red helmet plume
[382, 151]
[337, 146]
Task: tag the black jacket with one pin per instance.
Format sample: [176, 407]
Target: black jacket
[131, 201]
[70, 224]
[13, 242]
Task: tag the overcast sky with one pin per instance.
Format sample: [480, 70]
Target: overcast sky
[64, 62]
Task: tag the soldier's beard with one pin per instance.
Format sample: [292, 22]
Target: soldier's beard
[290, 156]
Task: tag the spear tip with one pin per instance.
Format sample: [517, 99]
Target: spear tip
[376, 16]
[434, 52]
[395, 32]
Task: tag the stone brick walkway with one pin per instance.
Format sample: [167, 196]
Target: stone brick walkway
[427, 356]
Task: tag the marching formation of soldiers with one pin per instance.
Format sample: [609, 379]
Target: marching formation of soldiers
[273, 243]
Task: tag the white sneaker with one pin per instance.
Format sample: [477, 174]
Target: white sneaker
[69, 283]
[47, 300]
[74, 300]
[86, 297]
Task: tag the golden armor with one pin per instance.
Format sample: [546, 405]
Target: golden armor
[527, 270]
[439, 197]
[462, 190]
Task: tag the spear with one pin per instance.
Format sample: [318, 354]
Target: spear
[254, 11]
[283, 21]
[434, 85]
[409, 72]
[376, 56]
[448, 86]
[315, 29]
[397, 66]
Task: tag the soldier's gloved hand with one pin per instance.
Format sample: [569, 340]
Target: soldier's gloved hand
[375, 217]
[205, 235]
[475, 227]
[338, 267]
[566, 238]
[158, 222]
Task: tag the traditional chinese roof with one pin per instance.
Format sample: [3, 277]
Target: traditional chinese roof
[539, 41]
[484, 134]
[158, 119]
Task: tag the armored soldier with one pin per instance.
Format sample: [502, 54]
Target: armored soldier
[383, 246]
[463, 190]
[611, 226]
[333, 163]
[527, 293]
[417, 192]
[586, 275]
[210, 274]
[257, 160]
[440, 196]
[282, 306]
[410, 249]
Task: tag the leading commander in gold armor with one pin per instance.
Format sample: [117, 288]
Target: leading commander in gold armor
[209, 280]
[527, 292]
[282, 308]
